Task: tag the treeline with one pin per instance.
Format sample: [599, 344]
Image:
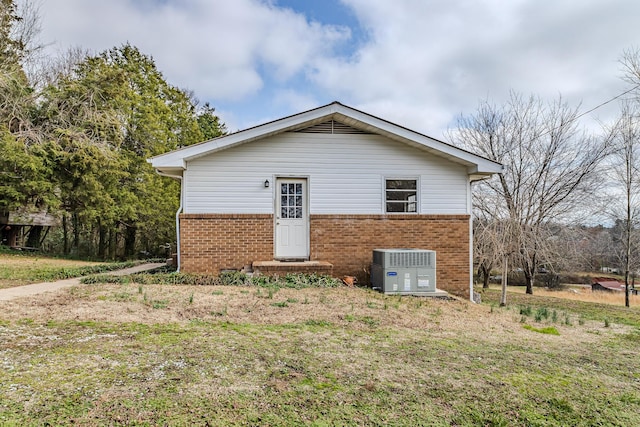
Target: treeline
[74, 139]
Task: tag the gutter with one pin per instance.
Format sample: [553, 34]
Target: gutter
[178, 212]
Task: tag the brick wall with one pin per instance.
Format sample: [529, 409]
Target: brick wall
[213, 242]
[210, 242]
[347, 241]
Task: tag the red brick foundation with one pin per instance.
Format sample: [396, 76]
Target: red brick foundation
[214, 242]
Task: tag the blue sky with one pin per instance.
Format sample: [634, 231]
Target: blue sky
[418, 63]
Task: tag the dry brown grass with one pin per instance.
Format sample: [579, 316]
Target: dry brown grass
[579, 293]
[348, 307]
[131, 354]
[10, 260]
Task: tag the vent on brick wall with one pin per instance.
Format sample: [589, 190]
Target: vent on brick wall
[332, 127]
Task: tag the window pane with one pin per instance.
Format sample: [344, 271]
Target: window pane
[292, 188]
[298, 212]
[401, 195]
[298, 200]
[283, 188]
[284, 212]
[401, 184]
[396, 207]
[298, 188]
[283, 200]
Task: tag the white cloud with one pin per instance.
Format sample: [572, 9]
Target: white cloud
[217, 48]
[428, 61]
[423, 62]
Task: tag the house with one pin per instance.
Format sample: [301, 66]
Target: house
[607, 285]
[23, 228]
[611, 285]
[326, 187]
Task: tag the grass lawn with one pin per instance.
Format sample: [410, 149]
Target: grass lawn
[597, 306]
[18, 269]
[144, 354]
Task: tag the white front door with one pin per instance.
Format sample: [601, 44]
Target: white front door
[292, 219]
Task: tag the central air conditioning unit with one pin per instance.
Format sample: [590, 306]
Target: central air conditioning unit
[404, 271]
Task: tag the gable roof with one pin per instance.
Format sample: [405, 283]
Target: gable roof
[610, 284]
[478, 167]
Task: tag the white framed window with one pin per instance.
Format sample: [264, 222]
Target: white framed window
[401, 195]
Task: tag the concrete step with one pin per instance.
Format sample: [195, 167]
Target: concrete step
[280, 268]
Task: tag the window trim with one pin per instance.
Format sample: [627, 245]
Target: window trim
[401, 178]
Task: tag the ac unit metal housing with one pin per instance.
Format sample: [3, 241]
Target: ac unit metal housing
[404, 271]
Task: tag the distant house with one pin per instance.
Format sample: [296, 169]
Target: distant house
[610, 285]
[23, 227]
[607, 285]
[322, 189]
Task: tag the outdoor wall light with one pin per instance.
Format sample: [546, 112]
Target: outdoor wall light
[266, 183]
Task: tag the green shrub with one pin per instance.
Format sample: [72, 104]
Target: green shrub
[227, 278]
[233, 278]
[526, 310]
[542, 313]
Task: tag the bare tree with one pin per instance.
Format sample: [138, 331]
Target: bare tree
[626, 168]
[630, 62]
[550, 169]
[28, 28]
[51, 69]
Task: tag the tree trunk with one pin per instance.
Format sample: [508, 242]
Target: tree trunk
[505, 274]
[626, 275]
[484, 270]
[130, 241]
[113, 243]
[65, 235]
[626, 295]
[529, 277]
[102, 241]
[76, 233]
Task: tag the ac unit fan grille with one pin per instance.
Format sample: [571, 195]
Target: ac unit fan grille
[410, 259]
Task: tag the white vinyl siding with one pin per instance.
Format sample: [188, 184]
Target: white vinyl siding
[345, 172]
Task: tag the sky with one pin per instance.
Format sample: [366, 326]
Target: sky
[418, 63]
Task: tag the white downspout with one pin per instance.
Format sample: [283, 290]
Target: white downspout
[470, 210]
[178, 212]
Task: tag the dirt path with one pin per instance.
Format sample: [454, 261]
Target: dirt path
[38, 288]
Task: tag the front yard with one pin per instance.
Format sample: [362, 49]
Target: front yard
[145, 354]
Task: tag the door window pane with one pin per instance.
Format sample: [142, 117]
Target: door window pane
[291, 200]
